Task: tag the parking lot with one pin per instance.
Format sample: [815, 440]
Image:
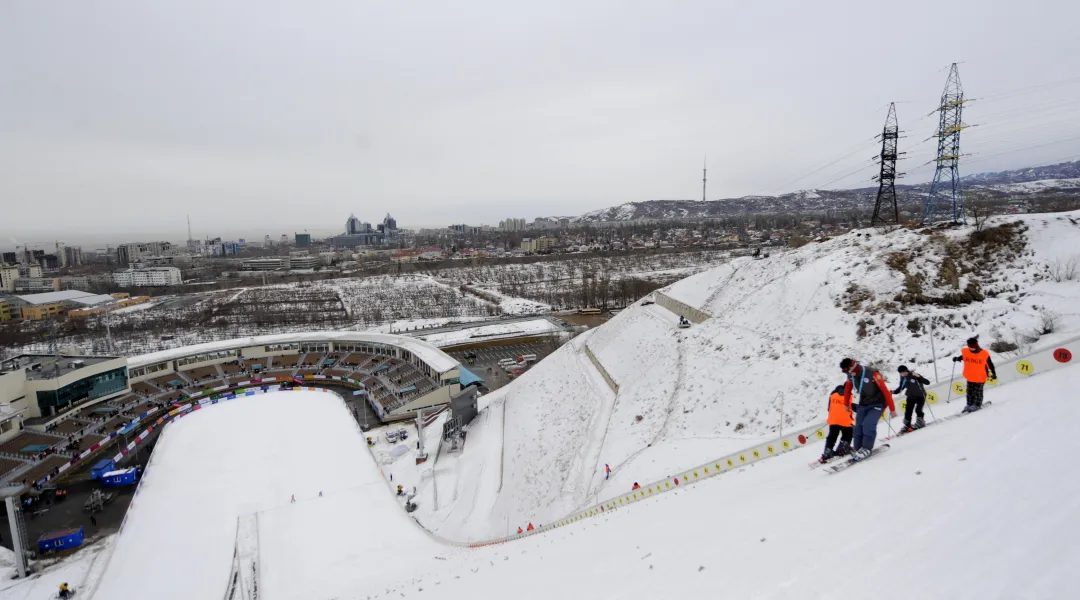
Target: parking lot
[486, 363]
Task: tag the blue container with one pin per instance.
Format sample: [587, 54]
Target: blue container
[119, 478]
[101, 467]
[65, 539]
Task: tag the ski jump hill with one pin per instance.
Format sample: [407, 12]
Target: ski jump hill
[708, 419]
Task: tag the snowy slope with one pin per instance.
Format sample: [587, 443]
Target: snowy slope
[767, 359]
[958, 511]
[244, 456]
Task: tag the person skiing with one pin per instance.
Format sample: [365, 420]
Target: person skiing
[530, 527]
[977, 365]
[519, 530]
[874, 396]
[841, 419]
[607, 471]
[914, 386]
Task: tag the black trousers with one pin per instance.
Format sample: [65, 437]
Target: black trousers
[975, 393]
[914, 404]
[835, 431]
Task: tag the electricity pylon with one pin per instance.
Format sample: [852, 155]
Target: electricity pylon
[886, 211]
[945, 203]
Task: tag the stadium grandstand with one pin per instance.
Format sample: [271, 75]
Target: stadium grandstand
[59, 412]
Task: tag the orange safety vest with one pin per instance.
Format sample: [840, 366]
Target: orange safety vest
[975, 364]
[530, 528]
[840, 411]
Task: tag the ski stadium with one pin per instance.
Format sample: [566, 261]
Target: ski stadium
[264, 483]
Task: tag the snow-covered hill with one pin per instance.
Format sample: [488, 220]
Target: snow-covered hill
[770, 352]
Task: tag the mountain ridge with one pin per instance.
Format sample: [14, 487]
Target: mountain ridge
[1061, 179]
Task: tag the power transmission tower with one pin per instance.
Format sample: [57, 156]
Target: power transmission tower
[945, 202]
[886, 211]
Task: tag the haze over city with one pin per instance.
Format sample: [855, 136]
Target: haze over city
[118, 120]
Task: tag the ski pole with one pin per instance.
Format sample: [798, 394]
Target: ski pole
[951, 375]
[930, 408]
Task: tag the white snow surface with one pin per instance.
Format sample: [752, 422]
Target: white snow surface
[251, 455]
[539, 326]
[964, 497]
[770, 352]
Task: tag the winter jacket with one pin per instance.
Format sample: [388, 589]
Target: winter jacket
[913, 385]
[871, 388]
[977, 365]
[840, 412]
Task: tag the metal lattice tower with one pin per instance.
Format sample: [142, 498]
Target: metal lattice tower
[886, 211]
[945, 202]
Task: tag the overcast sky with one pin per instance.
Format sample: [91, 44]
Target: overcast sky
[119, 118]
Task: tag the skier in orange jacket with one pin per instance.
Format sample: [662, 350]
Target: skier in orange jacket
[841, 420]
[977, 369]
[873, 396]
[529, 528]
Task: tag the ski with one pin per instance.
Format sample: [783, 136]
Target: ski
[848, 463]
[935, 422]
[818, 463]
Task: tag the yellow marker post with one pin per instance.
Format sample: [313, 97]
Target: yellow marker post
[1025, 368]
[931, 397]
[958, 388]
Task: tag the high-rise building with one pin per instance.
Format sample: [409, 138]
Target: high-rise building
[303, 240]
[73, 256]
[352, 225]
[11, 258]
[512, 224]
[8, 275]
[131, 253]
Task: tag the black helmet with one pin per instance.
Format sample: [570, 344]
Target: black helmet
[845, 364]
[903, 369]
[839, 389]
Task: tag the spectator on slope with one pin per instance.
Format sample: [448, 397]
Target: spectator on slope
[914, 386]
[636, 486]
[874, 396]
[841, 419]
[607, 471]
[519, 530]
[977, 366]
[529, 528]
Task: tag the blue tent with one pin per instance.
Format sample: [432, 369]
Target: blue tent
[467, 377]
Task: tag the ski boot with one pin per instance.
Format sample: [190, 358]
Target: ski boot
[919, 423]
[860, 454]
[906, 428]
[826, 456]
[969, 408]
[843, 449]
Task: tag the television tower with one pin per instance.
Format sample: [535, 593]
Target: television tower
[945, 202]
[704, 178]
[886, 212]
[189, 229]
